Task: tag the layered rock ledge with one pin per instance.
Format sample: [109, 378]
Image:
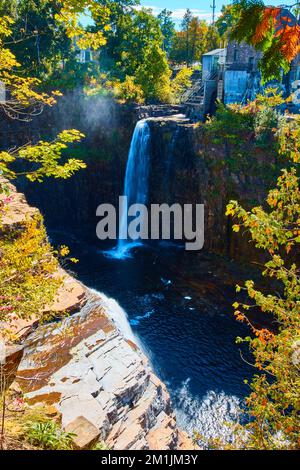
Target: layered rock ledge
[99, 381]
[85, 368]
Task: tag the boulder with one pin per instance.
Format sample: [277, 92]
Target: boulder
[85, 433]
[10, 358]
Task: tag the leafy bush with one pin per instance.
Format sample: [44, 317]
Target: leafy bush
[100, 446]
[264, 122]
[231, 124]
[27, 266]
[153, 75]
[180, 83]
[48, 436]
[129, 90]
[273, 403]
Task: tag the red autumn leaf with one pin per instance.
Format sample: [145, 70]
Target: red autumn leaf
[269, 20]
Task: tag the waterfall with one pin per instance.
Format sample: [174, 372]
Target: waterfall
[135, 185]
[116, 314]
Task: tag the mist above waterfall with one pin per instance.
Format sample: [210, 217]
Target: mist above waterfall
[92, 112]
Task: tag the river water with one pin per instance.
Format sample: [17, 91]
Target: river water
[178, 305]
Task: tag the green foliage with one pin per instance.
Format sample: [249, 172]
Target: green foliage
[272, 30]
[134, 58]
[100, 446]
[230, 15]
[195, 38]
[38, 41]
[237, 125]
[135, 32]
[44, 158]
[28, 283]
[128, 90]
[273, 403]
[48, 436]
[72, 75]
[249, 136]
[40, 34]
[230, 124]
[288, 135]
[153, 75]
[28, 268]
[181, 83]
[167, 27]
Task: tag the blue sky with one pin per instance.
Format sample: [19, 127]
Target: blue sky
[200, 8]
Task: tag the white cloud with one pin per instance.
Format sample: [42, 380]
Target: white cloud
[178, 13]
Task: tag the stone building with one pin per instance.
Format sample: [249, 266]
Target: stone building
[232, 75]
[241, 74]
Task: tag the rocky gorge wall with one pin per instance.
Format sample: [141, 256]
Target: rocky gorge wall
[186, 167]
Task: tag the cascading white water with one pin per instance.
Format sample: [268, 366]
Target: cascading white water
[116, 314]
[135, 185]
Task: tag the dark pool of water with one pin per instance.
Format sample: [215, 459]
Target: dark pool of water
[179, 306]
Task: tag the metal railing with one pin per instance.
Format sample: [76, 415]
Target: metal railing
[195, 94]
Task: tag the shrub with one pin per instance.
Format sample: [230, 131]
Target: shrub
[180, 83]
[273, 403]
[129, 90]
[27, 267]
[100, 446]
[48, 436]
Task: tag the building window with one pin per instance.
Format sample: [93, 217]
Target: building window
[235, 55]
[88, 55]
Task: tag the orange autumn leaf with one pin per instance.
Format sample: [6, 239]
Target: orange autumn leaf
[269, 20]
[290, 39]
[264, 335]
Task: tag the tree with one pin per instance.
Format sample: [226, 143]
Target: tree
[167, 27]
[27, 281]
[23, 97]
[185, 27]
[178, 51]
[230, 15]
[213, 39]
[195, 39]
[128, 90]
[181, 83]
[36, 39]
[26, 259]
[134, 57]
[143, 32]
[272, 30]
[43, 158]
[273, 403]
[115, 29]
[153, 75]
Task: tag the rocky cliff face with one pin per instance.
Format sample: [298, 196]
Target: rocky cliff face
[99, 381]
[186, 167]
[89, 371]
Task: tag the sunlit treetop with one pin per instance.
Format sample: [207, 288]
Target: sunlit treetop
[69, 12]
[24, 100]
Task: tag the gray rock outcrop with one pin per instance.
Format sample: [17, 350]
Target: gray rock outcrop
[87, 370]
